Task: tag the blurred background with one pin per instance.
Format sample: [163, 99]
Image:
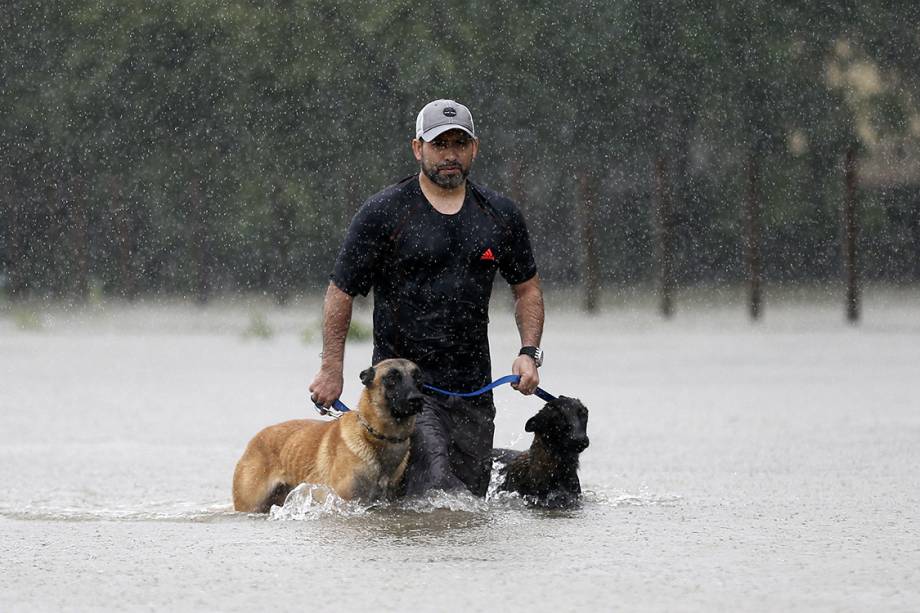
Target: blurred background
[202, 148]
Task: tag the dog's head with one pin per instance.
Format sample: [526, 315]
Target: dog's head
[562, 425]
[395, 384]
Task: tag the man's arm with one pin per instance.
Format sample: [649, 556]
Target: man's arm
[528, 313]
[327, 385]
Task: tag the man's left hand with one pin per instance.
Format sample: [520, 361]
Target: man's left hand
[530, 378]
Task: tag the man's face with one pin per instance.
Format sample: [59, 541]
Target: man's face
[448, 158]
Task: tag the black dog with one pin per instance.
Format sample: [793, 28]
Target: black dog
[547, 473]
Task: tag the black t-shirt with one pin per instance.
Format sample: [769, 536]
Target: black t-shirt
[432, 276]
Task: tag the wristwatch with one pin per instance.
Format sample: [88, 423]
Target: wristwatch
[535, 352]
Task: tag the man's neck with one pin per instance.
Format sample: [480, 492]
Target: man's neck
[445, 200]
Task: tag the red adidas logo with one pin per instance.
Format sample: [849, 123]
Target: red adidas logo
[487, 255]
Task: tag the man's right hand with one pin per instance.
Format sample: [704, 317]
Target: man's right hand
[327, 386]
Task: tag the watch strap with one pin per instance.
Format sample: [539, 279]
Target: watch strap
[534, 352]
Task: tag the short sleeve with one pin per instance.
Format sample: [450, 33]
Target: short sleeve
[516, 263]
[366, 239]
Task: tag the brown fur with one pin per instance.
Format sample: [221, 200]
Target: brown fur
[342, 454]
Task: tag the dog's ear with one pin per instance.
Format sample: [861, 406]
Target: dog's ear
[537, 423]
[531, 424]
[367, 376]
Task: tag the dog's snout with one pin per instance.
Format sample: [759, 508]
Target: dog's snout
[416, 402]
[406, 401]
[581, 443]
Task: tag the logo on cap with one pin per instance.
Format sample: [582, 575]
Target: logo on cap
[450, 111]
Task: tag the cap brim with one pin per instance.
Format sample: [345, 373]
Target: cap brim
[437, 131]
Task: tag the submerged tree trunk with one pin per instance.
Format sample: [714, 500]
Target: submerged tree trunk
[201, 246]
[124, 243]
[851, 236]
[517, 180]
[79, 219]
[591, 268]
[16, 276]
[282, 227]
[752, 247]
[664, 230]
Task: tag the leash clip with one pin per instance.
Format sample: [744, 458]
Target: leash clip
[330, 412]
[337, 409]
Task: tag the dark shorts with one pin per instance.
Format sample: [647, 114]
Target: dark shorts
[452, 445]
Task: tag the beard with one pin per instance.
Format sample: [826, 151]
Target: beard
[446, 181]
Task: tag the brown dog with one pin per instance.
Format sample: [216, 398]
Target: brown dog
[361, 456]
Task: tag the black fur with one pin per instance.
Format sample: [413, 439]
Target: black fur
[277, 497]
[403, 392]
[367, 376]
[547, 473]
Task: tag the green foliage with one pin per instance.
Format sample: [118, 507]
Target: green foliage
[359, 332]
[258, 327]
[186, 146]
[26, 319]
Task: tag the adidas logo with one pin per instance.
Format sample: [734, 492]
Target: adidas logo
[487, 255]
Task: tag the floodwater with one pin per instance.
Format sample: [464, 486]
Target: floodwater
[732, 466]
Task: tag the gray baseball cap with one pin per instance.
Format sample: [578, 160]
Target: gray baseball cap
[440, 116]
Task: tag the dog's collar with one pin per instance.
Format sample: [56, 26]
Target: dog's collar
[379, 436]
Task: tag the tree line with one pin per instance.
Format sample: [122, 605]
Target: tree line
[200, 146]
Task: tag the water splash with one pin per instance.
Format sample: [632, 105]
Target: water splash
[496, 480]
[311, 501]
[499, 498]
[439, 500]
[614, 498]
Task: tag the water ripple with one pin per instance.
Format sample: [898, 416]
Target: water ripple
[309, 502]
[162, 511]
[626, 499]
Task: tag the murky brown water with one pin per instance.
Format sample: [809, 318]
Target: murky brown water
[731, 467]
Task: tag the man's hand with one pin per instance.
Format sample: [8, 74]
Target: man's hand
[528, 313]
[530, 378]
[327, 386]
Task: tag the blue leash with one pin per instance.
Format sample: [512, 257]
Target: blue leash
[338, 407]
[539, 393]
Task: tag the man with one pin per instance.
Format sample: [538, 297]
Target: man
[429, 247]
